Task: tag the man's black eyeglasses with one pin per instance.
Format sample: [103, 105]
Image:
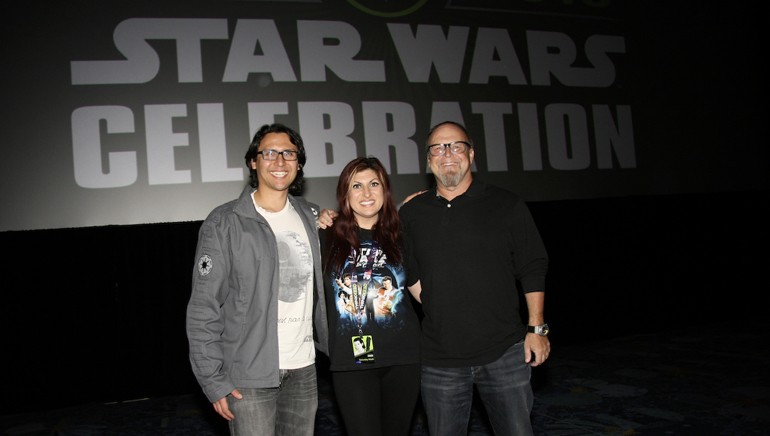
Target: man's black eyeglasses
[273, 154]
[455, 147]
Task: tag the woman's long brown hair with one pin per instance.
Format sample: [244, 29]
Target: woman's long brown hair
[343, 235]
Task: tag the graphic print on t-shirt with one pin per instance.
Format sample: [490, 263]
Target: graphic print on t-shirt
[296, 262]
[370, 290]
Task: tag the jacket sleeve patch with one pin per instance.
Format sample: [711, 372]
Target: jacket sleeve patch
[204, 265]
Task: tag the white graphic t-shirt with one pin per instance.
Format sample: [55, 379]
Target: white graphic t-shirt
[295, 297]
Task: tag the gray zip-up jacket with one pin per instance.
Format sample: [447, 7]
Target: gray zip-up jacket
[232, 315]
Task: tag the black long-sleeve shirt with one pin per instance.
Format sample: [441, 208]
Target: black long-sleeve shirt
[469, 254]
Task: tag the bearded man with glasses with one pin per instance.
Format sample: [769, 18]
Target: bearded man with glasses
[469, 245]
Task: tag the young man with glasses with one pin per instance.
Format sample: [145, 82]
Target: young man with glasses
[256, 314]
[468, 244]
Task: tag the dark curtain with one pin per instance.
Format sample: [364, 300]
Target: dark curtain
[97, 314]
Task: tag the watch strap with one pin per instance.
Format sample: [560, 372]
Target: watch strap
[541, 329]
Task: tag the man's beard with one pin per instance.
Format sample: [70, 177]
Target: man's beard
[450, 179]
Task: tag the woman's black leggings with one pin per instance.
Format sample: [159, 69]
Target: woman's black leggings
[378, 401]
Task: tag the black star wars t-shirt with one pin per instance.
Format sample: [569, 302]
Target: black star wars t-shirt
[372, 321]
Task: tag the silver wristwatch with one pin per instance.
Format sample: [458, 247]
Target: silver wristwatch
[541, 329]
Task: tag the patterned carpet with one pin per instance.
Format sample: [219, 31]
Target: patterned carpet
[709, 380]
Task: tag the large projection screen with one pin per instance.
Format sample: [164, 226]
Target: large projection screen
[140, 112]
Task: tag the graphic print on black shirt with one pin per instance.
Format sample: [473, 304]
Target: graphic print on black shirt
[370, 288]
[370, 292]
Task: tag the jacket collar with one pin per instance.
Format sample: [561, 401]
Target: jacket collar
[245, 205]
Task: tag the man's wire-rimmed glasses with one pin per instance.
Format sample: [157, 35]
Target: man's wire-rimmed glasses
[456, 147]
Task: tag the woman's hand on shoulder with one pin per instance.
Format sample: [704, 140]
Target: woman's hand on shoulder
[326, 218]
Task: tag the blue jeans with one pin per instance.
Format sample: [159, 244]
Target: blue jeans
[504, 388]
[287, 410]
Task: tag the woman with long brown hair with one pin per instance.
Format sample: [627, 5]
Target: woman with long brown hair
[373, 327]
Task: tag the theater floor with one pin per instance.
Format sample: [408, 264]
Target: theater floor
[701, 380]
